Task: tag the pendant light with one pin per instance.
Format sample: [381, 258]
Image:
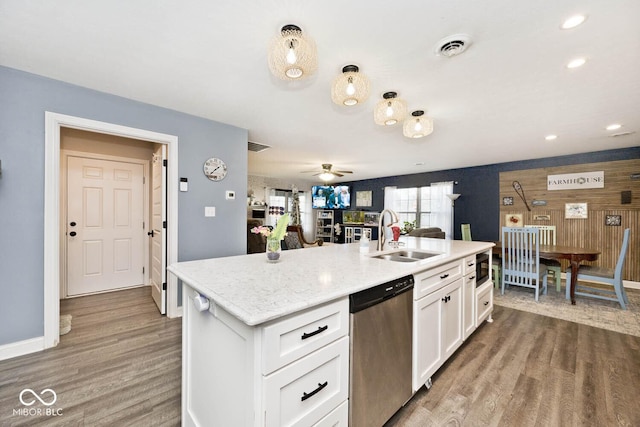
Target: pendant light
[351, 87]
[418, 125]
[390, 110]
[292, 55]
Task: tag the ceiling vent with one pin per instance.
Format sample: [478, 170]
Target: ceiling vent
[255, 147]
[615, 135]
[453, 45]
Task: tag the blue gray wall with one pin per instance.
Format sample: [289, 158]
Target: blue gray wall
[24, 100]
[479, 203]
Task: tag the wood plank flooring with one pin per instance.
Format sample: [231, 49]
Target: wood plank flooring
[121, 365]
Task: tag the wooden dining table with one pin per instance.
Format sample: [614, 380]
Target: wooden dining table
[575, 255]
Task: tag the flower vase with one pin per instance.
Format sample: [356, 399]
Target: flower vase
[273, 249]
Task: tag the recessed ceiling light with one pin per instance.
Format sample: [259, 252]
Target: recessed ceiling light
[573, 22]
[575, 63]
[551, 137]
[419, 163]
[614, 126]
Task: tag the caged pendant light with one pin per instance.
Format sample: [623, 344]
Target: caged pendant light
[351, 87]
[390, 110]
[292, 55]
[418, 125]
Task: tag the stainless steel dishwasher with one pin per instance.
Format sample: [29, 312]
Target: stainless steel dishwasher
[380, 355]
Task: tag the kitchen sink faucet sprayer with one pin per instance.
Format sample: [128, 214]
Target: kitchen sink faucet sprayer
[381, 233]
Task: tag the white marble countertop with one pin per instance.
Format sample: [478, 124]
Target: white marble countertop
[256, 291]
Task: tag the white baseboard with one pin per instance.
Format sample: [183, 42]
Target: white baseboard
[630, 285]
[20, 348]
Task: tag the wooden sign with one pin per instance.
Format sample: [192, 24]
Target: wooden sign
[576, 181]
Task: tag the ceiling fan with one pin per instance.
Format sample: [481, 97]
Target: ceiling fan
[327, 173]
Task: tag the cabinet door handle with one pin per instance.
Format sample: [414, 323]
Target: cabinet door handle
[486, 303]
[305, 396]
[472, 277]
[310, 334]
[470, 264]
[447, 298]
[444, 276]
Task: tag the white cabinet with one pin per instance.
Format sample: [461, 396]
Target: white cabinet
[437, 322]
[484, 302]
[468, 297]
[324, 225]
[289, 372]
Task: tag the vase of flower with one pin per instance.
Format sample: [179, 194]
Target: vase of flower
[273, 249]
[273, 237]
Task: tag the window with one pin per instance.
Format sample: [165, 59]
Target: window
[405, 204]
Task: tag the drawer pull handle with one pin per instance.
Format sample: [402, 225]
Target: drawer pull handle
[486, 303]
[310, 334]
[444, 276]
[305, 396]
[472, 277]
[470, 264]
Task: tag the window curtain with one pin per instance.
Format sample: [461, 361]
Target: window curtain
[442, 207]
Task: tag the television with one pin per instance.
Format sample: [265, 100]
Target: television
[330, 197]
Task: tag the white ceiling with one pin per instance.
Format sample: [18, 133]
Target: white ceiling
[494, 103]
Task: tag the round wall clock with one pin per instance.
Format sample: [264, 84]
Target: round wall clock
[215, 169]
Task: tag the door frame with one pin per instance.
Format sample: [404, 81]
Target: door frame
[51, 281]
[65, 154]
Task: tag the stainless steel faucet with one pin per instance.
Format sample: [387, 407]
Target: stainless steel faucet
[381, 233]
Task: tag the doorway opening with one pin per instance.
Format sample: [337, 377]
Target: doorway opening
[54, 123]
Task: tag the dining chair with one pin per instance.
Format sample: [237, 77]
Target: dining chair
[521, 259]
[466, 232]
[603, 276]
[548, 237]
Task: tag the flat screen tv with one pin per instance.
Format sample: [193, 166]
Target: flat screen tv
[331, 197]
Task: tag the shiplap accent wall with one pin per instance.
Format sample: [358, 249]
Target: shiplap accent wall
[591, 232]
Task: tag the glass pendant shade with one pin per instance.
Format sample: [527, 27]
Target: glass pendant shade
[390, 110]
[351, 87]
[418, 125]
[292, 55]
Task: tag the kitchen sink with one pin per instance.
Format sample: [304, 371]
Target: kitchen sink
[406, 255]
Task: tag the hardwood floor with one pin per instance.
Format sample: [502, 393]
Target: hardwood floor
[121, 365]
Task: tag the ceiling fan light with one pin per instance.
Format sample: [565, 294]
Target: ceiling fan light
[390, 110]
[351, 87]
[292, 55]
[326, 176]
[418, 125]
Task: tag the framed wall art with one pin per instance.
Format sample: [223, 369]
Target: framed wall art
[363, 198]
[513, 220]
[615, 220]
[575, 211]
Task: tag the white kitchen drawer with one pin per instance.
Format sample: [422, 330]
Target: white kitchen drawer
[469, 264]
[435, 278]
[339, 417]
[296, 336]
[484, 305]
[308, 389]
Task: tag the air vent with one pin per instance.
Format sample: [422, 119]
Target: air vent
[615, 135]
[255, 147]
[453, 45]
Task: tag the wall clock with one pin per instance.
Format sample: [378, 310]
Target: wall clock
[215, 169]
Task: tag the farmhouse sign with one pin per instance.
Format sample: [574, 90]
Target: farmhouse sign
[573, 181]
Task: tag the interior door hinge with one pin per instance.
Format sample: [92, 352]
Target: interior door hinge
[164, 162]
[164, 286]
[164, 224]
[142, 270]
[144, 180]
[143, 225]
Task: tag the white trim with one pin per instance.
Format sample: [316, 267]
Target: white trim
[20, 348]
[53, 123]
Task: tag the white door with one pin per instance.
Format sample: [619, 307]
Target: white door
[157, 233]
[104, 225]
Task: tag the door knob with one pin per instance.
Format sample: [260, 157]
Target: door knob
[72, 223]
[72, 234]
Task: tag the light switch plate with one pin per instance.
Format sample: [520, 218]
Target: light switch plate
[209, 211]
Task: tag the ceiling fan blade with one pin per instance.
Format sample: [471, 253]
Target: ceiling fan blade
[335, 173]
[344, 171]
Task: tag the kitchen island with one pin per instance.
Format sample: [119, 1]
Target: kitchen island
[268, 330]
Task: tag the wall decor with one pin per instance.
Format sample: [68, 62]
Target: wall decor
[615, 220]
[363, 198]
[575, 211]
[535, 202]
[542, 217]
[507, 201]
[574, 181]
[516, 186]
[513, 220]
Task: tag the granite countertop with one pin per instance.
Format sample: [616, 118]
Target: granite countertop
[256, 291]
